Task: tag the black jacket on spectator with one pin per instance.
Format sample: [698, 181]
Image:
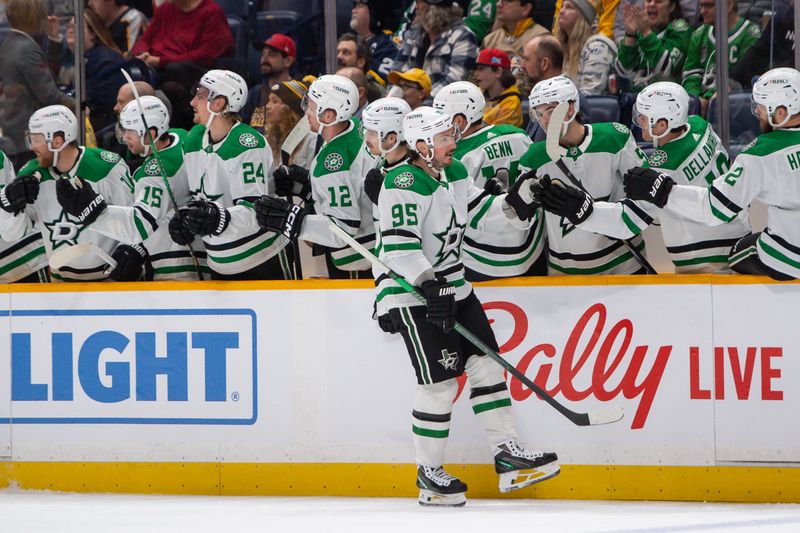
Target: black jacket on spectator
[103, 80]
[779, 35]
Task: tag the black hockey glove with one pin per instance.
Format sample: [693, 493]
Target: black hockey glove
[178, 231]
[79, 199]
[441, 297]
[280, 216]
[130, 260]
[566, 201]
[16, 195]
[493, 186]
[386, 323]
[292, 180]
[205, 218]
[521, 196]
[373, 184]
[648, 185]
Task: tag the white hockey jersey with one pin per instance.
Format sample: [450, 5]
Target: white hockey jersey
[769, 170]
[695, 158]
[19, 259]
[147, 221]
[108, 175]
[233, 172]
[599, 162]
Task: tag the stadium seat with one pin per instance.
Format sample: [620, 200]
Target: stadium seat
[603, 108]
[743, 124]
[237, 62]
[237, 8]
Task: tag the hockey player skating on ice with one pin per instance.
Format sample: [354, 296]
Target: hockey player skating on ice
[229, 165]
[597, 155]
[768, 170]
[61, 165]
[145, 224]
[488, 152]
[335, 183]
[688, 151]
[423, 212]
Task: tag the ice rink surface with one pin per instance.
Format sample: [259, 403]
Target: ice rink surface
[35, 511]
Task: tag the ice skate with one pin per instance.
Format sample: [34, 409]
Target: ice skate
[437, 487]
[520, 468]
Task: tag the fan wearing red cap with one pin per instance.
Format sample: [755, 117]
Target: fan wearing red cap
[277, 57]
[494, 77]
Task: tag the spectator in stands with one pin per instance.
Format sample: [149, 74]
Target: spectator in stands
[277, 58]
[123, 22]
[688, 13]
[516, 30]
[775, 47]
[479, 17]
[415, 85]
[655, 43]
[26, 79]
[503, 103]
[699, 78]
[366, 94]
[607, 10]
[543, 59]
[452, 51]
[182, 42]
[588, 59]
[352, 51]
[283, 112]
[367, 22]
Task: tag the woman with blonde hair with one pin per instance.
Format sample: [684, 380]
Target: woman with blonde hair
[283, 111]
[588, 56]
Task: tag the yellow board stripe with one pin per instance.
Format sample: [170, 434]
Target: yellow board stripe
[685, 483]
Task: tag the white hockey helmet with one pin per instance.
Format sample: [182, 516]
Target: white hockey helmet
[663, 100]
[335, 92]
[554, 91]
[385, 116]
[52, 120]
[155, 114]
[779, 87]
[461, 98]
[422, 124]
[228, 84]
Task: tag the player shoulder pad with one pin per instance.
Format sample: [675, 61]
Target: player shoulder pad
[194, 139]
[455, 171]
[769, 143]
[410, 178]
[608, 137]
[95, 164]
[535, 157]
[240, 139]
[339, 154]
[32, 168]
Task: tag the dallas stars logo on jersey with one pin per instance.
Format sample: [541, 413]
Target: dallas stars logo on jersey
[449, 360]
[451, 240]
[658, 158]
[151, 168]
[63, 231]
[109, 157]
[248, 139]
[201, 191]
[334, 162]
[404, 180]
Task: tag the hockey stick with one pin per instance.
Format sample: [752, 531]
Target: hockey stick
[293, 140]
[160, 164]
[60, 258]
[605, 415]
[554, 129]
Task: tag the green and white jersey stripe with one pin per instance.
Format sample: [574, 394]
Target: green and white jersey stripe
[599, 162]
[233, 172]
[767, 170]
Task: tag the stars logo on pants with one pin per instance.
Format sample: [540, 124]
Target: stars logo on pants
[449, 360]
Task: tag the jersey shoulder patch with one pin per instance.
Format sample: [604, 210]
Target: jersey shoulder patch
[410, 178]
[535, 157]
[679, 25]
[240, 139]
[96, 164]
[339, 154]
[608, 137]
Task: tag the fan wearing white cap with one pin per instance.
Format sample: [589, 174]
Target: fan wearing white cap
[75, 185]
[229, 165]
[491, 156]
[768, 169]
[145, 224]
[335, 181]
[423, 215]
[596, 155]
[689, 151]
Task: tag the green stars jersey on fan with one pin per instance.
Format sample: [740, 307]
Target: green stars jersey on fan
[337, 188]
[234, 172]
[695, 158]
[699, 78]
[655, 57]
[599, 162]
[767, 170]
[19, 258]
[147, 220]
[108, 175]
[491, 253]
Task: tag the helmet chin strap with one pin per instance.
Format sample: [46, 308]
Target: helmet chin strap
[783, 123]
[211, 116]
[386, 151]
[429, 158]
[55, 151]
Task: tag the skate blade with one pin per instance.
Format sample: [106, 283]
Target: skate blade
[433, 499]
[523, 478]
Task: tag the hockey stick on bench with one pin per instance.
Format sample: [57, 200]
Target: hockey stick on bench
[554, 130]
[606, 415]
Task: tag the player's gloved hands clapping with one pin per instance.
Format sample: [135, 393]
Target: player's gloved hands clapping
[564, 200]
[493, 187]
[441, 297]
[130, 260]
[178, 231]
[79, 199]
[648, 185]
[521, 196]
[280, 216]
[16, 195]
[373, 183]
[292, 180]
[205, 218]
